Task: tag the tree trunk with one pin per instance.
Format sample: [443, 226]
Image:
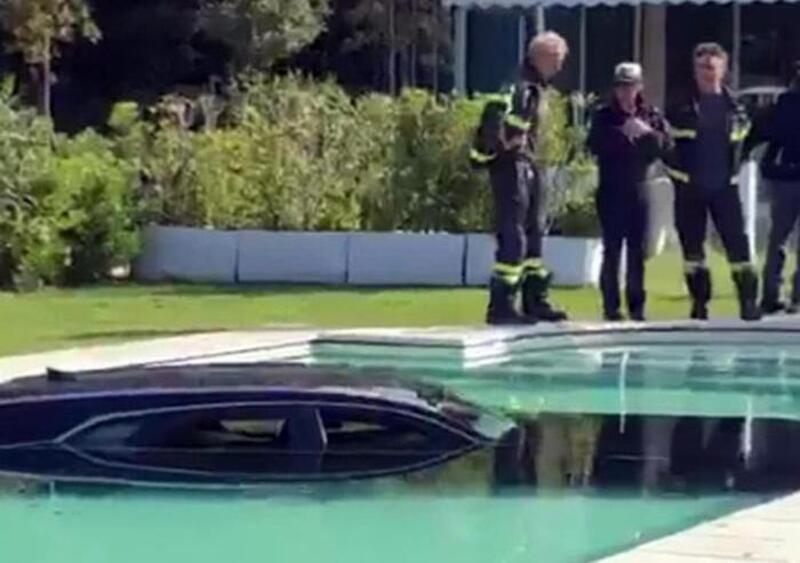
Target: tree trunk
[45, 83]
[436, 47]
[414, 37]
[392, 66]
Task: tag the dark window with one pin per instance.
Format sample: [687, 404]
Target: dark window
[348, 430]
[237, 441]
[223, 428]
[369, 441]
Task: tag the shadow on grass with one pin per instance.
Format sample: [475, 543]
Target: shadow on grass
[684, 298]
[134, 334]
[126, 290]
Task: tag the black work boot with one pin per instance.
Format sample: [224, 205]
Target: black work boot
[613, 316]
[535, 304]
[502, 309]
[771, 303]
[636, 301]
[769, 307]
[747, 289]
[699, 284]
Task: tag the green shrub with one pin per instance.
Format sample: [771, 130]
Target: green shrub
[427, 182]
[297, 158]
[579, 219]
[90, 204]
[25, 148]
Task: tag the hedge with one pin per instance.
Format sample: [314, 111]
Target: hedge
[282, 153]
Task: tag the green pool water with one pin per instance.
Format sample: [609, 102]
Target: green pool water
[450, 517]
[387, 528]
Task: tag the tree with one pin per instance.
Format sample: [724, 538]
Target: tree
[409, 34]
[262, 32]
[36, 29]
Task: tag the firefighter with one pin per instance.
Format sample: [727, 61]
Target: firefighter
[505, 144]
[781, 168]
[628, 137]
[709, 129]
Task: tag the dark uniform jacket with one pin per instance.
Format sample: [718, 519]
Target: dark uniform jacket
[625, 165]
[782, 159]
[514, 118]
[683, 161]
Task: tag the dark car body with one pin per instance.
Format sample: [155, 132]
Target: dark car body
[231, 425]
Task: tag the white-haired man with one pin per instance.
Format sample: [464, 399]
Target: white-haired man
[505, 142]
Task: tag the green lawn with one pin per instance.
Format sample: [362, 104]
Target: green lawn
[68, 318]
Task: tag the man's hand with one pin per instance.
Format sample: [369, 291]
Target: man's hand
[512, 142]
[635, 128]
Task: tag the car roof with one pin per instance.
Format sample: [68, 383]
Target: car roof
[299, 378]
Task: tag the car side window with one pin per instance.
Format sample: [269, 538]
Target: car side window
[196, 429]
[361, 430]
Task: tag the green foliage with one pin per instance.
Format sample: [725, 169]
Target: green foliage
[413, 33]
[91, 206]
[301, 154]
[261, 32]
[24, 148]
[36, 27]
[569, 176]
[430, 185]
[293, 154]
[66, 205]
[579, 219]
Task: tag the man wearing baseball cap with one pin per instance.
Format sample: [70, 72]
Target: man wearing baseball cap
[628, 137]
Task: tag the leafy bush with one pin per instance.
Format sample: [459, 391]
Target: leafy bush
[66, 205]
[300, 154]
[24, 232]
[90, 205]
[569, 176]
[428, 185]
[292, 154]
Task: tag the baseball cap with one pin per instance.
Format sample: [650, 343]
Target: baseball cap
[628, 73]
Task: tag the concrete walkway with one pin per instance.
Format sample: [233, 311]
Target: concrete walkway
[234, 346]
[769, 533]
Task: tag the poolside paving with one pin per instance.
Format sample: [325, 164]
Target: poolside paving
[769, 533]
[233, 346]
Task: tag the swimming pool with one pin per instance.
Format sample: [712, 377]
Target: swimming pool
[621, 440]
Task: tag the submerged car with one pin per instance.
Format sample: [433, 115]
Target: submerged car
[231, 425]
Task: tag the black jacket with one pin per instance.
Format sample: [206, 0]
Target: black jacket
[510, 117]
[625, 165]
[782, 159]
[683, 160]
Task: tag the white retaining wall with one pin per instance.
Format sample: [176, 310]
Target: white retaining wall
[186, 254]
[366, 259]
[405, 259]
[292, 257]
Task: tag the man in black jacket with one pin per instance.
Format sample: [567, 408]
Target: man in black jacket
[781, 168]
[709, 129]
[505, 143]
[628, 138]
